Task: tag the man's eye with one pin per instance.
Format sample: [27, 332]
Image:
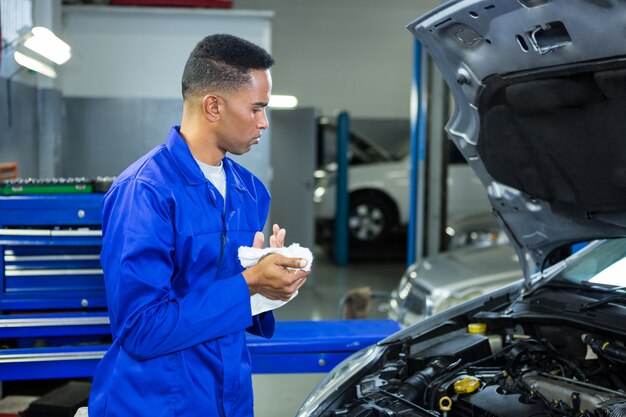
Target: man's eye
[256, 110]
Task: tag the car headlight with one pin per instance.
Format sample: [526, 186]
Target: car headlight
[323, 180]
[320, 173]
[408, 302]
[476, 237]
[412, 301]
[337, 378]
[318, 194]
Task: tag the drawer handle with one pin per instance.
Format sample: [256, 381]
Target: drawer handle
[47, 357]
[57, 321]
[76, 233]
[50, 233]
[46, 272]
[24, 232]
[41, 258]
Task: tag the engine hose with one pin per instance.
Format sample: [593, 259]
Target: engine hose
[415, 385]
[606, 349]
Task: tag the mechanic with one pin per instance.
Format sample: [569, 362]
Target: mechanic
[178, 299]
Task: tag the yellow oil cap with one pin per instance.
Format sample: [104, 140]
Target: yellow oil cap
[466, 385]
[480, 328]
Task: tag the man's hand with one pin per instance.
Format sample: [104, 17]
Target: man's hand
[270, 276]
[277, 240]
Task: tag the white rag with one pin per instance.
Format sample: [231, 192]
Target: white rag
[250, 256]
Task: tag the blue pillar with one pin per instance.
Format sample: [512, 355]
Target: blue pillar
[342, 199]
[418, 155]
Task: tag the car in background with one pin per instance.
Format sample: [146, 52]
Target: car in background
[478, 260]
[539, 91]
[449, 278]
[378, 187]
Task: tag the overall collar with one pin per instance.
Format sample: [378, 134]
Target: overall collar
[192, 173]
[183, 158]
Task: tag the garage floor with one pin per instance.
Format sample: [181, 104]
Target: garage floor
[319, 298]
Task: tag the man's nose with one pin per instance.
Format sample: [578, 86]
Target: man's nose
[263, 122]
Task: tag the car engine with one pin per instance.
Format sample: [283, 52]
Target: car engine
[515, 370]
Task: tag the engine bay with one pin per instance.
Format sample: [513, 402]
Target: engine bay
[494, 368]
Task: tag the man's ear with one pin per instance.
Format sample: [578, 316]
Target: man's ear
[211, 107]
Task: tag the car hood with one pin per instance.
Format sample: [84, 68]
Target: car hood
[486, 266]
[540, 95]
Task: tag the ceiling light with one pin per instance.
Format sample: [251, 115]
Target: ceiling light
[48, 45]
[283, 102]
[34, 64]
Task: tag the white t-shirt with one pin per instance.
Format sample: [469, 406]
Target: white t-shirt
[216, 175]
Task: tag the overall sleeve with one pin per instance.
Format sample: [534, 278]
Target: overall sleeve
[146, 317]
[262, 325]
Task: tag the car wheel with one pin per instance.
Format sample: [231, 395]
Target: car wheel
[371, 219]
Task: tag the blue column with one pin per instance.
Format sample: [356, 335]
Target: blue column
[418, 155]
[342, 199]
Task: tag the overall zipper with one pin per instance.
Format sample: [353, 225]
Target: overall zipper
[223, 236]
[223, 243]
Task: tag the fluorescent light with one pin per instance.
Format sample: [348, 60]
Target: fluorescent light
[48, 45]
[34, 64]
[283, 102]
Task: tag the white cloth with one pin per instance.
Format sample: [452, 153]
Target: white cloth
[250, 256]
[82, 412]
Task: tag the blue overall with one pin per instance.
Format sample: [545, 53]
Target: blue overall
[178, 304]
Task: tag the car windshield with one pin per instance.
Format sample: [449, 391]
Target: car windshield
[402, 149]
[604, 263]
[364, 151]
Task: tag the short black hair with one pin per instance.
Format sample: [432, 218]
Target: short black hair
[222, 62]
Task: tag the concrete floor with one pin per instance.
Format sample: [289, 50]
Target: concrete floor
[319, 298]
[280, 395]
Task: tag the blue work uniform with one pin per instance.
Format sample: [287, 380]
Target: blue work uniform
[178, 303]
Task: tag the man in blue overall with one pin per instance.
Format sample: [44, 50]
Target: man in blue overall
[178, 299]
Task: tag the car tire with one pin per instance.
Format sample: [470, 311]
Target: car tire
[372, 218]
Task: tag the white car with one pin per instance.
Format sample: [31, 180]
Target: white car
[379, 195]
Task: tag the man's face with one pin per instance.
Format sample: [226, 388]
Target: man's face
[243, 116]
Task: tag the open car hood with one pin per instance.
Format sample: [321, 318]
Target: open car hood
[540, 92]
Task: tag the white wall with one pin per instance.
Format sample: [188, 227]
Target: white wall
[139, 53]
[129, 52]
[353, 55]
